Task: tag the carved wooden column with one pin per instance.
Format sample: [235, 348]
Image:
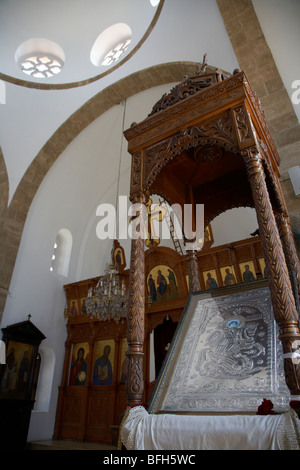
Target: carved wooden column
[287, 239]
[285, 232]
[290, 252]
[136, 319]
[192, 261]
[285, 312]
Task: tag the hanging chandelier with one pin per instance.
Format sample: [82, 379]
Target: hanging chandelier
[108, 300]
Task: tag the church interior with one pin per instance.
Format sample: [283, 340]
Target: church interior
[117, 115]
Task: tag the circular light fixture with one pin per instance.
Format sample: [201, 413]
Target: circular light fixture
[40, 58]
[110, 45]
[115, 53]
[41, 66]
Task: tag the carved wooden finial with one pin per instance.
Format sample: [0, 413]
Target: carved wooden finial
[202, 66]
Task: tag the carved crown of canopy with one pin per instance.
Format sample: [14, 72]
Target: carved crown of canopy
[189, 86]
[189, 147]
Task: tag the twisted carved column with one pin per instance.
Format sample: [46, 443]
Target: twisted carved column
[192, 262]
[285, 232]
[135, 320]
[289, 249]
[283, 301]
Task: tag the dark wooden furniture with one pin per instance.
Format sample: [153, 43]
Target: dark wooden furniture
[18, 382]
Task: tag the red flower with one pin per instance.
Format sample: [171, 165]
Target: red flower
[265, 408]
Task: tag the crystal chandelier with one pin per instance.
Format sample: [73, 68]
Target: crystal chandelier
[108, 300]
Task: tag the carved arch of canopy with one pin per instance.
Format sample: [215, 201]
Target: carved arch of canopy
[200, 147]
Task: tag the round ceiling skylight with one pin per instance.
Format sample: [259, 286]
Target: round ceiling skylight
[111, 44]
[40, 58]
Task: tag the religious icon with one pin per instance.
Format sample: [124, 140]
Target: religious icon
[208, 236]
[247, 270]
[221, 351]
[152, 288]
[79, 364]
[162, 283]
[263, 267]
[83, 306]
[16, 374]
[228, 275]
[118, 256]
[103, 365]
[74, 308]
[210, 279]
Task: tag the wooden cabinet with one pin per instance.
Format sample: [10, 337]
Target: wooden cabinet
[18, 381]
[90, 404]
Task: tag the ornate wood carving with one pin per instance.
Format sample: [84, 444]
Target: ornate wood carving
[208, 153]
[285, 312]
[242, 126]
[192, 261]
[284, 227]
[135, 321]
[209, 93]
[188, 87]
[136, 172]
[217, 132]
[256, 108]
[289, 249]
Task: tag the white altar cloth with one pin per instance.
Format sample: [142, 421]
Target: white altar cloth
[143, 431]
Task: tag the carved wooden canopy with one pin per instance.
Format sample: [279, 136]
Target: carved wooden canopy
[207, 142]
[189, 147]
